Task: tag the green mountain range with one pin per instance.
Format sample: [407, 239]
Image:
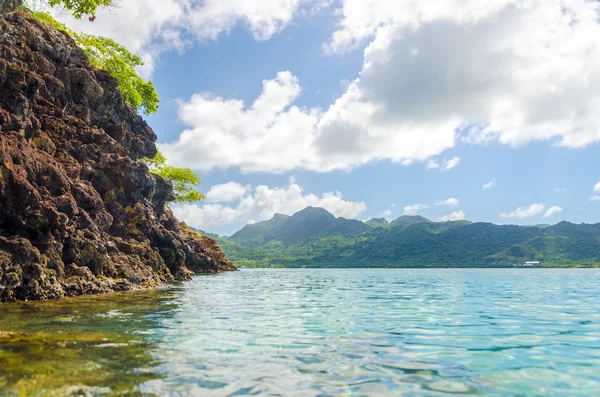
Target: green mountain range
[315, 238]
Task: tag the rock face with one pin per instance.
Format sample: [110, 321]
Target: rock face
[9, 5]
[79, 213]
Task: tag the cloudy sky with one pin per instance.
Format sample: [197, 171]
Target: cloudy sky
[487, 110]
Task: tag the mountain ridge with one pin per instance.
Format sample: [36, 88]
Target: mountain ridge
[409, 241]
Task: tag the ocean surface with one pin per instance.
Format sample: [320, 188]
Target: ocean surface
[369, 332]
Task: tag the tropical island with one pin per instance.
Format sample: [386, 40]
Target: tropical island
[314, 237]
[411, 181]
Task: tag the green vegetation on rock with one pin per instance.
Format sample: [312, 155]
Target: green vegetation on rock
[107, 54]
[104, 53]
[184, 179]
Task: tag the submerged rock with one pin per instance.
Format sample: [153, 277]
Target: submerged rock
[79, 213]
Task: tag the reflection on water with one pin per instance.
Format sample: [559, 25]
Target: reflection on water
[89, 345]
[529, 332]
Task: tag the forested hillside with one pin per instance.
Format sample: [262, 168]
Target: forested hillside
[315, 238]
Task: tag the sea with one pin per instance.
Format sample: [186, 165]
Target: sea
[315, 332]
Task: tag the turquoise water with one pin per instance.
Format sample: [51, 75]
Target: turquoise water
[504, 332]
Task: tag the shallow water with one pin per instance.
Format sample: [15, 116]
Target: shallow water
[505, 332]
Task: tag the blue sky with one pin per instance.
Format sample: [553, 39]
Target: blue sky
[365, 104]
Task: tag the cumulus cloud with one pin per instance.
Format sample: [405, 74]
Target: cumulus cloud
[595, 198]
[490, 185]
[525, 212]
[261, 203]
[269, 135]
[455, 216]
[597, 187]
[451, 202]
[492, 64]
[414, 209]
[273, 135]
[560, 190]
[431, 71]
[226, 192]
[149, 27]
[553, 211]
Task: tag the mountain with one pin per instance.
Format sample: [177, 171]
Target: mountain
[314, 237]
[260, 233]
[378, 222]
[302, 226]
[405, 220]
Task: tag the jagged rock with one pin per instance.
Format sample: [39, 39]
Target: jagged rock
[79, 213]
[9, 5]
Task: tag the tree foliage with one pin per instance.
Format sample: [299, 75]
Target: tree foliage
[184, 179]
[107, 54]
[80, 8]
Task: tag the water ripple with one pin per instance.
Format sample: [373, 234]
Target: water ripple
[333, 333]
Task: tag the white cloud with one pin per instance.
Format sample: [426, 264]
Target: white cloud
[269, 135]
[490, 185]
[451, 202]
[475, 134]
[273, 135]
[432, 165]
[595, 198]
[597, 187]
[149, 27]
[414, 209]
[492, 64]
[226, 192]
[553, 211]
[453, 162]
[525, 212]
[261, 203]
[455, 216]
[493, 71]
[431, 68]
[560, 190]
[445, 165]
[388, 213]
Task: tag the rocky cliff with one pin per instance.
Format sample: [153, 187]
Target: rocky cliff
[79, 213]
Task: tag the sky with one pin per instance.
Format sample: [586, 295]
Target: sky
[485, 110]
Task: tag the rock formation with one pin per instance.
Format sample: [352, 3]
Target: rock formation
[9, 5]
[79, 213]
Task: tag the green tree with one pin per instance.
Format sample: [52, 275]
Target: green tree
[184, 179]
[107, 54]
[80, 8]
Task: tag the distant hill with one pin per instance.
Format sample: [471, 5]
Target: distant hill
[308, 224]
[409, 220]
[260, 233]
[314, 237]
[378, 222]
